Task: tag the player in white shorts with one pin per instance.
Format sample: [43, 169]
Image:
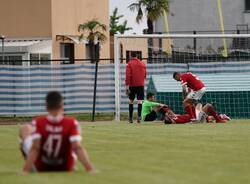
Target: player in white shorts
[192, 88]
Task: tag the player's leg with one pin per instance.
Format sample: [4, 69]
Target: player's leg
[140, 98]
[189, 107]
[131, 103]
[200, 115]
[25, 139]
[152, 116]
[188, 102]
[209, 109]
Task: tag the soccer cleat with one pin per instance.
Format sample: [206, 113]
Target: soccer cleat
[139, 120]
[225, 117]
[130, 120]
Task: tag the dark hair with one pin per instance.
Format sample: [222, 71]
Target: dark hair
[54, 100]
[175, 73]
[134, 55]
[149, 95]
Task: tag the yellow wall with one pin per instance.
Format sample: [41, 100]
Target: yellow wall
[25, 18]
[68, 14]
[135, 44]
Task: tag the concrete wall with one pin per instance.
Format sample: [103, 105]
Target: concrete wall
[203, 15]
[68, 14]
[25, 18]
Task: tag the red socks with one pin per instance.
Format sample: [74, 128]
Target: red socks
[190, 110]
[214, 114]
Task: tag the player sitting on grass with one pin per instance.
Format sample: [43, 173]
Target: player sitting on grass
[52, 142]
[207, 113]
[150, 108]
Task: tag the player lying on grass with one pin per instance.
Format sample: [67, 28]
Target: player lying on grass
[52, 142]
[202, 113]
[192, 89]
[150, 109]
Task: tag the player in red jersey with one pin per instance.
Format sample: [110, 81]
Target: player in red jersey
[202, 113]
[53, 142]
[192, 88]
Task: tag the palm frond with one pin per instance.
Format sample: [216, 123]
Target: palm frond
[134, 6]
[139, 16]
[93, 31]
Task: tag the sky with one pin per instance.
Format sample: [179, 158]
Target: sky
[128, 15]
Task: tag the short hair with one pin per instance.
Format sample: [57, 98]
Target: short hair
[175, 73]
[134, 54]
[54, 100]
[149, 95]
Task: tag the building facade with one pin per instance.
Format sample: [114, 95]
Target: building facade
[48, 29]
[203, 15]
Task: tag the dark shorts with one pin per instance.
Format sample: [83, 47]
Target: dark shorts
[151, 116]
[136, 91]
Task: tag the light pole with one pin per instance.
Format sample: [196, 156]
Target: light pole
[2, 37]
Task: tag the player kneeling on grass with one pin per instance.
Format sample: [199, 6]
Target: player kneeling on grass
[52, 142]
[192, 88]
[151, 109]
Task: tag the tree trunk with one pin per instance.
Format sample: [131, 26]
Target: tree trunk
[150, 40]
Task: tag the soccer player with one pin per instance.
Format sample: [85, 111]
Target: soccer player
[135, 79]
[192, 89]
[150, 110]
[207, 113]
[53, 142]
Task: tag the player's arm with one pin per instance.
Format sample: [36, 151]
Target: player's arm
[128, 78]
[184, 91]
[82, 155]
[32, 156]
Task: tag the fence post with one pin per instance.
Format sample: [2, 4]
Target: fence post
[2, 38]
[97, 58]
[195, 43]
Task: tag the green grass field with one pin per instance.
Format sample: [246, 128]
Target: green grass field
[146, 154]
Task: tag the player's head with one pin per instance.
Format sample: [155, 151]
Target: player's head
[134, 55]
[177, 76]
[54, 102]
[151, 96]
[168, 120]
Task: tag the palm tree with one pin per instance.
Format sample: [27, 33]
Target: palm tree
[152, 9]
[95, 35]
[93, 32]
[115, 27]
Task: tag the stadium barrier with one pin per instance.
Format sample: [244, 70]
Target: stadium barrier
[23, 88]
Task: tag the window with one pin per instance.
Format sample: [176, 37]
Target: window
[11, 60]
[40, 59]
[247, 5]
[130, 53]
[67, 53]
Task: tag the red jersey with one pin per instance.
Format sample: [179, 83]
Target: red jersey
[135, 73]
[56, 137]
[182, 119]
[192, 81]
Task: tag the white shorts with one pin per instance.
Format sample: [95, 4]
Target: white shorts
[26, 145]
[196, 95]
[200, 116]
